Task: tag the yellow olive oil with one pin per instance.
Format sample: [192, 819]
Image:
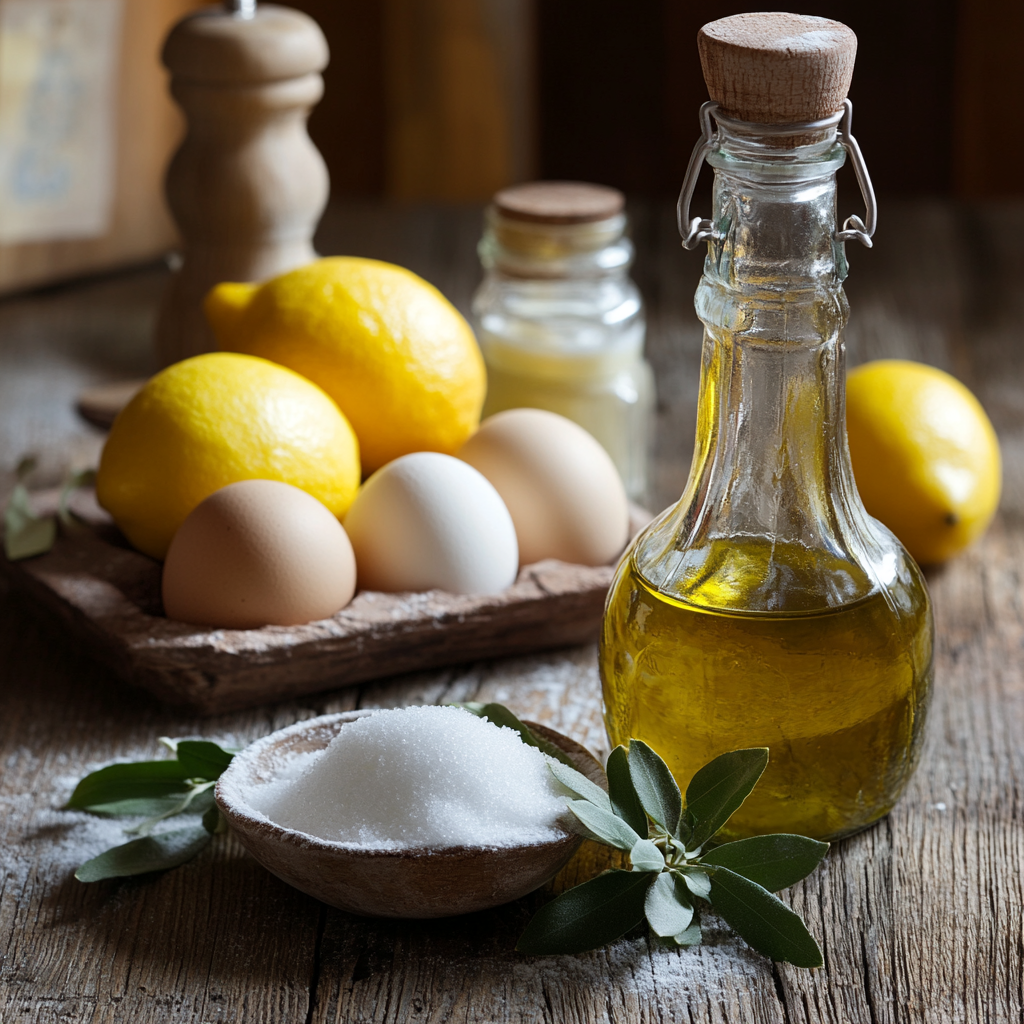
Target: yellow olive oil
[837, 693]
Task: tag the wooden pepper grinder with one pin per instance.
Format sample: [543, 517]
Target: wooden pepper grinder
[247, 186]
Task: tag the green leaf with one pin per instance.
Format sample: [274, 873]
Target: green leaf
[27, 536]
[203, 794]
[667, 906]
[655, 786]
[690, 937]
[624, 800]
[25, 533]
[718, 789]
[83, 478]
[203, 759]
[697, 882]
[773, 862]
[603, 825]
[151, 853]
[645, 856]
[500, 715]
[763, 920]
[140, 780]
[213, 822]
[202, 801]
[579, 784]
[145, 807]
[588, 916]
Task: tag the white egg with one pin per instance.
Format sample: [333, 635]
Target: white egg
[561, 487]
[429, 521]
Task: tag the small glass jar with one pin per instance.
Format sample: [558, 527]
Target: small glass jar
[559, 320]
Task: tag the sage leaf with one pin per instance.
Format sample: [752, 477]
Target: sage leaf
[203, 759]
[141, 780]
[25, 533]
[145, 807]
[500, 715]
[624, 800]
[718, 789]
[603, 826]
[579, 784]
[213, 821]
[698, 882]
[202, 801]
[655, 786]
[83, 478]
[667, 906]
[587, 916]
[690, 937]
[773, 862]
[645, 856]
[151, 853]
[763, 920]
[202, 794]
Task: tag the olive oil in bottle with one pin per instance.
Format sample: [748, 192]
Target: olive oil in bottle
[767, 608]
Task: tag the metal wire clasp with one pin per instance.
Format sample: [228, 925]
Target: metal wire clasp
[854, 227]
[695, 230]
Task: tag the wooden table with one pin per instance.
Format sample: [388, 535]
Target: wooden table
[920, 918]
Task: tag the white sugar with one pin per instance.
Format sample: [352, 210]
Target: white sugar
[414, 778]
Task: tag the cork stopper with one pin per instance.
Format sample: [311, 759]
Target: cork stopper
[777, 68]
[559, 202]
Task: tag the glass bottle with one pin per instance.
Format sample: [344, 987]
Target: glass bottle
[559, 321]
[767, 608]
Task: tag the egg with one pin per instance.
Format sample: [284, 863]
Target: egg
[429, 521]
[561, 487]
[258, 553]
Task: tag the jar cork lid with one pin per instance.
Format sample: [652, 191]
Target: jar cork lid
[775, 68]
[559, 202]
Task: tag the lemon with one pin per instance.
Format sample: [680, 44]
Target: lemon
[388, 347]
[213, 420]
[924, 454]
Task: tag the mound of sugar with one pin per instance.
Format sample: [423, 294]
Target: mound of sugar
[421, 777]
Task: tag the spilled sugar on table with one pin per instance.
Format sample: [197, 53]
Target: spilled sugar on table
[920, 918]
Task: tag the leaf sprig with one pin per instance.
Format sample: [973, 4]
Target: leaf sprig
[26, 533]
[674, 868]
[156, 790]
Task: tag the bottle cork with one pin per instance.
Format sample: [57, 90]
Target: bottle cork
[777, 68]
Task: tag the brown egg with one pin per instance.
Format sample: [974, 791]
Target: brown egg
[258, 553]
[561, 487]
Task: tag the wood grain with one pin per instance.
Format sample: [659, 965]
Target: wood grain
[920, 917]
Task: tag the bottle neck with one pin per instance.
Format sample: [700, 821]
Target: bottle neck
[771, 467]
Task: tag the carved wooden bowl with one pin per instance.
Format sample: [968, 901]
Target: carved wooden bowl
[385, 883]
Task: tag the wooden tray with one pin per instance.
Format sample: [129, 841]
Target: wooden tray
[107, 597]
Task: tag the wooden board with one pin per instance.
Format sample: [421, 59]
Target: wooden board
[106, 596]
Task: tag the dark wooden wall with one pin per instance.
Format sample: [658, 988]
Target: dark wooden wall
[937, 91]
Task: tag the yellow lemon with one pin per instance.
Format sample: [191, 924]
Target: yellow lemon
[924, 454]
[210, 421]
[388, 347]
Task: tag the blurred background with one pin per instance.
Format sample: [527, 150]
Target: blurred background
[448, 100]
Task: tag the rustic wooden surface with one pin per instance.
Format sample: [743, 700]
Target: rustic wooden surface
[920, 918]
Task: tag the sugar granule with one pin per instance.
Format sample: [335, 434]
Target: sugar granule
[421, 777]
